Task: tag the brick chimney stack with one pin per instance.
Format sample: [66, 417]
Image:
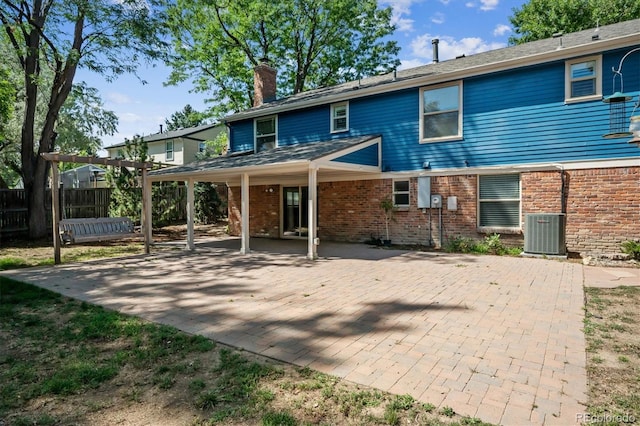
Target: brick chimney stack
[264, 83]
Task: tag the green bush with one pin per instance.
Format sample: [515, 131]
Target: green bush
[459, 245]
[632, 248]
[208, 205]
[492, 244]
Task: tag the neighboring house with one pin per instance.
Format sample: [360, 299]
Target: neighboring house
[174, 147]
[88, 176]
[498, 136]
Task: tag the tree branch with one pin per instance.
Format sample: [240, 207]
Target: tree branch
[237, 42]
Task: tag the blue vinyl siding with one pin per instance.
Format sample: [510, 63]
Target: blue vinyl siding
[241, 136]
[367, 156]
[509, 118]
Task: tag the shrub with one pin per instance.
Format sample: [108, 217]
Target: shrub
[459, 245]
[632, 248]
[494, 245]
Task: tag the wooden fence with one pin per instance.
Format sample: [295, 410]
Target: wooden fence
[75, 203]
[79, 203]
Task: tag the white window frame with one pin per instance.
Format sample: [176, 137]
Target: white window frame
[407, 193]
[503, 229]
[255, 130]
[568, 80]
[334, 118]
[168, 153]
[455, 137]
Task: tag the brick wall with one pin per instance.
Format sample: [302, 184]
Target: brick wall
[264, 211]
[603, 209]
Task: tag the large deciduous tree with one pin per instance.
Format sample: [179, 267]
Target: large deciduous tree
[538, 19]
[106, 36]
[311, 43]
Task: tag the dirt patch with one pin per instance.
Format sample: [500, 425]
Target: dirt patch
[612, 331]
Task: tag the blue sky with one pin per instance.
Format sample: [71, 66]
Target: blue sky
[462, 26]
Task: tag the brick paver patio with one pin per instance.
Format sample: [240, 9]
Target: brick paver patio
[498, 338]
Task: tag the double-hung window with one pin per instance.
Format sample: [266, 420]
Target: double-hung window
[401, 193]
[441, 112]
[265, 133]
[583, 79]
[168, 150]
[340, 117]
[499, 201]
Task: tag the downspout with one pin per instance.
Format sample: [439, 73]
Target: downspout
[563, 192]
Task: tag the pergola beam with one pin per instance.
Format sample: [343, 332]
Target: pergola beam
[83, 159]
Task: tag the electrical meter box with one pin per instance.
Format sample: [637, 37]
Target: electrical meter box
[436, 201]
[424, 192]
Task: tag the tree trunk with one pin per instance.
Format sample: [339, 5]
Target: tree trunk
[38, 223]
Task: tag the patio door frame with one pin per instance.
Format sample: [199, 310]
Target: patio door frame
[303, 211]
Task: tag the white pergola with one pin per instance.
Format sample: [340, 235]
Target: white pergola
[318, 161]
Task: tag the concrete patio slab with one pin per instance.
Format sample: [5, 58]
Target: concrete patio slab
[499, 338]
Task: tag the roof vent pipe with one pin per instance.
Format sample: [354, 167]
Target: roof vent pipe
[435, 42]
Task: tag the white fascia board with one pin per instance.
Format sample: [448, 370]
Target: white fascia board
[339, 165]
[352, 149]
[524, 61]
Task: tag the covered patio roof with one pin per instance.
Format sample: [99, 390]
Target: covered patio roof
[271, 165]
[346, 156]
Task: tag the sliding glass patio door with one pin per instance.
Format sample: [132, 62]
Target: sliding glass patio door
[295, 212]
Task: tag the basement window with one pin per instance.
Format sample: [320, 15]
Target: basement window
[499, 202]
[401, 193]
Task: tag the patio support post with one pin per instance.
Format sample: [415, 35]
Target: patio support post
[244, 207]
[55, 211]
[190, 214]
[146, 210]
[313, 202]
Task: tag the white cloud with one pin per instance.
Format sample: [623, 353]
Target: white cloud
[401, 13]
[449, 47]
[438, 18]
[501, 29]
[411, 63]
[489, 4]
[129, 117]
[445, 2]
[118, 98]
[402, 24]
[484, 4]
